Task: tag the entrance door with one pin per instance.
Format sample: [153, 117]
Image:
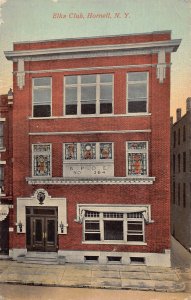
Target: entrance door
[44, 233]
[41, 229]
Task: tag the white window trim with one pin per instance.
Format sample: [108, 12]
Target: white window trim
[138, 151]
[33, 96]
[145, 209]
[147, 100]
[78, 86]
[33, 153]
[98, 160]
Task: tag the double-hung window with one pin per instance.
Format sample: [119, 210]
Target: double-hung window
[42, 97]
[41, 160]
[137, 158]
[137, 92]
[113, 227]
[1, 135]
[1, 177]
[88, 159]
[88, 94]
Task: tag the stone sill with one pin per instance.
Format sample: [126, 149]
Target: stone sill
[100, 180]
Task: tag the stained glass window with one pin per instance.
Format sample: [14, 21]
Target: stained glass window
[88, 151]
[137, 159]
[105, 150]
[71, 151]
[42, 160]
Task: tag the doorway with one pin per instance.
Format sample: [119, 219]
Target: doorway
[41, 228]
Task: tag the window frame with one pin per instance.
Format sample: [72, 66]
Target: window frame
[147, 92]
[84, 161]
[1, 135]
[43, 86]
[79, 86]
[49, 153]
[122, 217]
[2, 177]
[146, 151]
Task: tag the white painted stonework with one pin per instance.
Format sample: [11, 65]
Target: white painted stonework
[88, 170]
[151, 259]
[60, 203]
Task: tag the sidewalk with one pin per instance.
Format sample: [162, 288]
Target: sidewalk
[92, 276]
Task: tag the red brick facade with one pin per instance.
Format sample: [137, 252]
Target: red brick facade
[118, 55]
[6, 171]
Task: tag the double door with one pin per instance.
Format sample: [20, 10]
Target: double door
[42, 232]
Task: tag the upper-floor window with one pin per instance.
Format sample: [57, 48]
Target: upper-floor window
[1, 135]
[137, 158]
[184, 161]
[42, 97]
[179, 162]
[184, 133]
[184, 194]
[90, 159]
[137, 92]
[179, 194]
[41, 160]
[174, 139]
[88, 94]
[1, 178]
[178, 136]
[174, 163]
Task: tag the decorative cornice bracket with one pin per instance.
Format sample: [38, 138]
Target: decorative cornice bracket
[20, 74]
[161, 66]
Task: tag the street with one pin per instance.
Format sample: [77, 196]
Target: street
[21, 292]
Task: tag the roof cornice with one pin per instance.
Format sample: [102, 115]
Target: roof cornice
[94, 51]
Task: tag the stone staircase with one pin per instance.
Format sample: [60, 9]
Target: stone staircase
[41, 258]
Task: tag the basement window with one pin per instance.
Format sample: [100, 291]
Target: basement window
[137, 260]
[114, 259]
[91, 259]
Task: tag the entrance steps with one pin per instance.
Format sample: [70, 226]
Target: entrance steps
[41, 258]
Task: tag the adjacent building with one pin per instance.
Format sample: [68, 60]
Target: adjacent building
[181, 177]
[5, 170]
[91, 161]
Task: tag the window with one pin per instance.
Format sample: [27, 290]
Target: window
[174, 192]
[137, 158]
[41, 160]
[184, 133]
[88, 94]
[174, 139]
[184, 161]
[137, 92]
[1, 178]
[174, 163]
[42, 97]
[179, 194]
[88, 159]
[113, 226]
[178, 136]
[179, 163]
[184, 195]
[1, 135]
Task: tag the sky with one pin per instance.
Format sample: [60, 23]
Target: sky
[29, 20]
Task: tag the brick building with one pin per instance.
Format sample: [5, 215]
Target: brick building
[181, 176]
[91, 170]
[5, 169]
